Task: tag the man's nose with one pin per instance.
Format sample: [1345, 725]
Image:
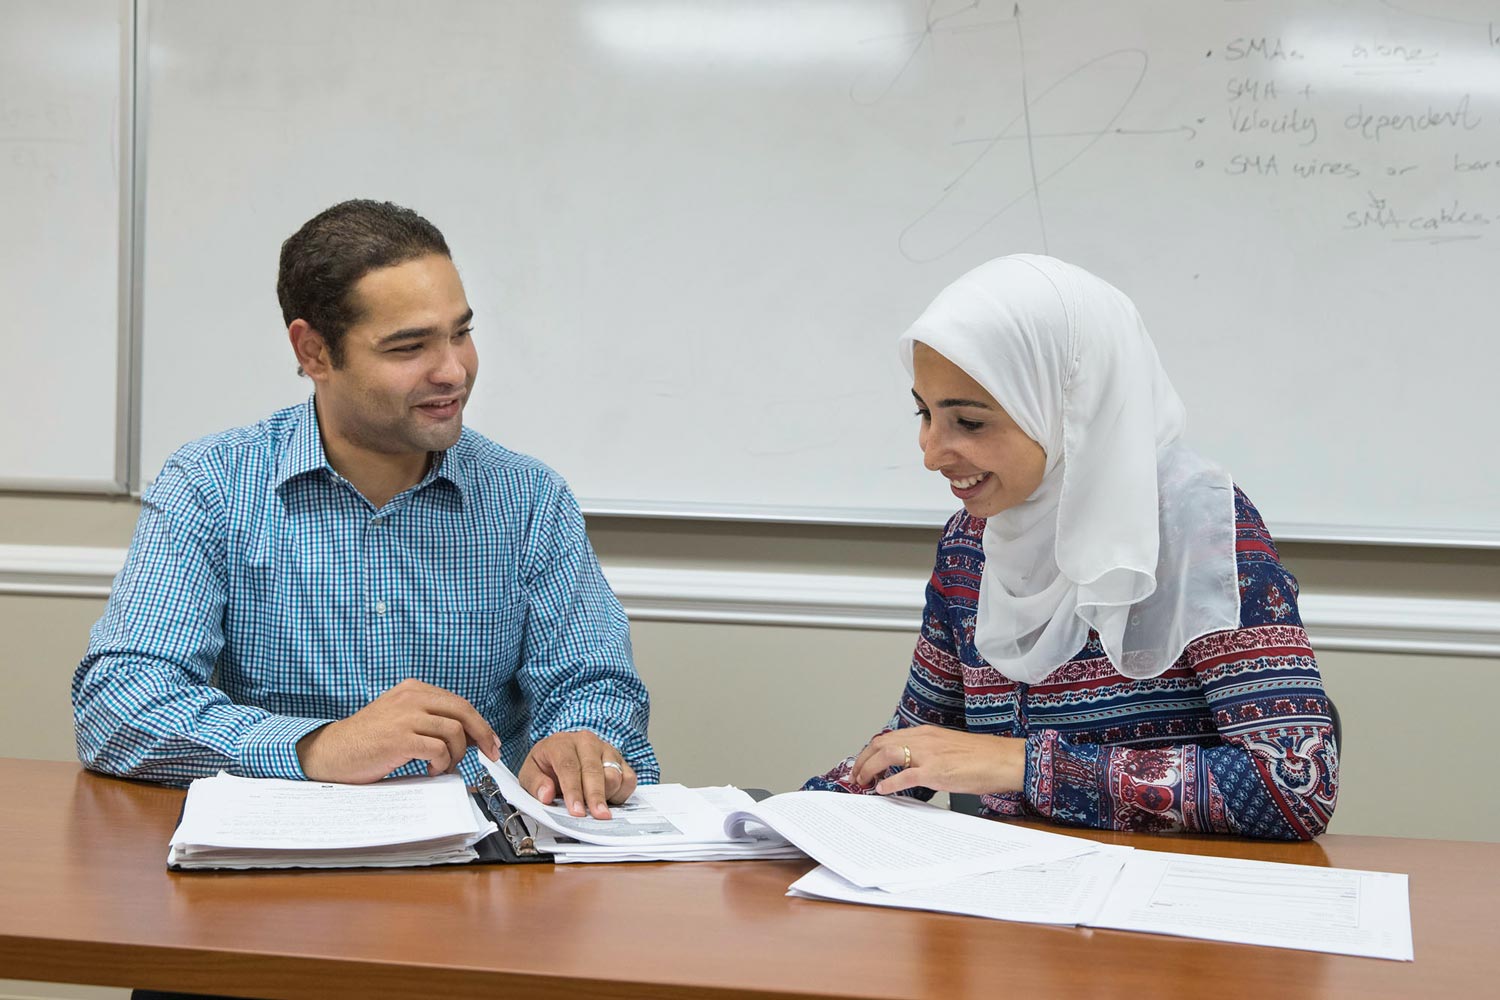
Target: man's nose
[451, 368]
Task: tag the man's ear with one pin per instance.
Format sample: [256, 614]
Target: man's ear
[313, 357]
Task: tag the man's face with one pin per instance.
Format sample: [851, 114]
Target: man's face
[408, 364]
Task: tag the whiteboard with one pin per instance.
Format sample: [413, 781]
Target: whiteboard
[63, 69]
[692, 232]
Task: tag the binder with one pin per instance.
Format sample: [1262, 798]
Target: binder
[513, 843]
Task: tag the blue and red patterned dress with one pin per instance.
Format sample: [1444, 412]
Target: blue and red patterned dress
[1234, 738]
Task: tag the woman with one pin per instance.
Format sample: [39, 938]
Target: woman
[1110, 639]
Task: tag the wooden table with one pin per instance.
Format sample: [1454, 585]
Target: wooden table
[85, 897]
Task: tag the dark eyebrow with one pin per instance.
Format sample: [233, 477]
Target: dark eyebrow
[947, 403]
[421, 332]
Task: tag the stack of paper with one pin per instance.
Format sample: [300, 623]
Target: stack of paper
[657, 823]
[900, 853]
[231, 822]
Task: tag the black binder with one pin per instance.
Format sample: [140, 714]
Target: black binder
[513, 843]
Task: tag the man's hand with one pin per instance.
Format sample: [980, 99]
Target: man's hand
[411, 721]
[572, 766]
[945, 760]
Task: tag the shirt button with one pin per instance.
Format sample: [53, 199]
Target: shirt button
[380, 607]
[376, 522]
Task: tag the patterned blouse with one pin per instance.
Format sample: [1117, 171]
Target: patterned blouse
[1234, 738]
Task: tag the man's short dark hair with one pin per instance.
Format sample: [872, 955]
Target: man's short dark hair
[322, 262]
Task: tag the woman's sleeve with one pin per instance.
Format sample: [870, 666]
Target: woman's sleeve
[1275, 773]
[933, 696]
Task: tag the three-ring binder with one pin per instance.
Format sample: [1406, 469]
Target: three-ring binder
[515, 843]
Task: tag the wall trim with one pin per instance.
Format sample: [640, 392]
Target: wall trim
[58, 570]
[1361, 622]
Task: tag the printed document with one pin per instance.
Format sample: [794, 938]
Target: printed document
[761, 845]
[899, 843]
[1338, 910]
[233, 822]
[654, 815]
[1059, 892]
[657, 823]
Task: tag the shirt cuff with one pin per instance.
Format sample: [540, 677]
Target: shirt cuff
[268, 749]
[1041, 748]
[633, 746]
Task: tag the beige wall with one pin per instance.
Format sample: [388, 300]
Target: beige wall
[764, 705]
[768, 705]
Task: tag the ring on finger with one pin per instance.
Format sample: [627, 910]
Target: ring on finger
[905, 756]
[617, 767]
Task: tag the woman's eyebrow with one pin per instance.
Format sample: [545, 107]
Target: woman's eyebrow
[954, 402]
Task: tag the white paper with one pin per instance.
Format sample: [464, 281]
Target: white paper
[233, 822]
[760, 844]
[564, 850]
[272, 813]
[1337, 910]
[1069, 891]
[653, 815]
[899, 843]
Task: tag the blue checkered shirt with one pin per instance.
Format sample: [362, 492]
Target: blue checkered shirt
[263, 597]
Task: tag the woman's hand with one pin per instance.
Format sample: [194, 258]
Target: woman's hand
[945, 760]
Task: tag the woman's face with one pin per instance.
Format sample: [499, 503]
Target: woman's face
[989, 462]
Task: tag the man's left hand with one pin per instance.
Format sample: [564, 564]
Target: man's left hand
[581, 769]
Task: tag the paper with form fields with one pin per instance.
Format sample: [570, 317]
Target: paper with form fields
[1069, 891]
[657, 823]
[760, 846]
[654, 815]
[900, 843]
[232, 822]
[1337, 910]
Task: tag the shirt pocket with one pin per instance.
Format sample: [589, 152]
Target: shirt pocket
[472, 653]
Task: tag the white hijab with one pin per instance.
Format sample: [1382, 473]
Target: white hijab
[1130, 533]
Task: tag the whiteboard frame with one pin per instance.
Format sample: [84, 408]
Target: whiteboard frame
[126, 477]
[132, 253]
[1446, 538]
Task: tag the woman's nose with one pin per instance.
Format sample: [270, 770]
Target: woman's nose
[934, 449]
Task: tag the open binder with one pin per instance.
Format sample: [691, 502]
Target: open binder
[235, 823]
[231, 823]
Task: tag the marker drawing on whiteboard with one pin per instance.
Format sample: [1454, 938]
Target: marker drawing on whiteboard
[1095, 85]
[1036, 187]
[932, 24]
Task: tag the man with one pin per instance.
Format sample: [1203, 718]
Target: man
[359, 586]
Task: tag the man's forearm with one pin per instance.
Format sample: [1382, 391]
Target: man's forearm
[134, 721]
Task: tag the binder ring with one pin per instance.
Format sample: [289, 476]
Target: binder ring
[520, 839]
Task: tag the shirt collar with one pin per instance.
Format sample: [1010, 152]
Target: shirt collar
[304, 449]
[304, 453]
[449, 467]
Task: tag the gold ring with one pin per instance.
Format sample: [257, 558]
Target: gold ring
[906, 755]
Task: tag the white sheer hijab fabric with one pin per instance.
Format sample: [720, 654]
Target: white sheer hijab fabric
[1130, 533]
